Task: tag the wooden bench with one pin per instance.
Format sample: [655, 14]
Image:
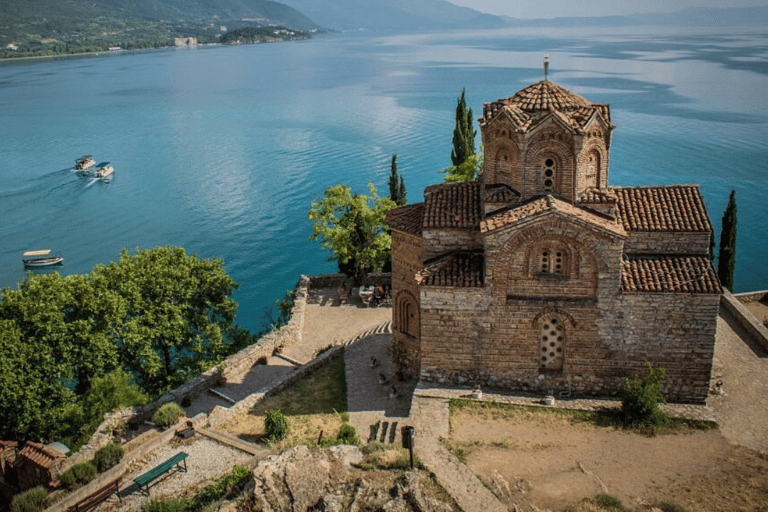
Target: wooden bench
[143, 481]
[98, 497]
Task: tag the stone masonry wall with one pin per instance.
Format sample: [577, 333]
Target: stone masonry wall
[644, 242]
[407, 260]
[468, 338]
[440, 241]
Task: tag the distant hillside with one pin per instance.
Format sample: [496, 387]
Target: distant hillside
[406, 15]
[691, 17]
[52, 27]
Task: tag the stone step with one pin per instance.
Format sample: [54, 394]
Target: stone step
[384, 328]
[387, 432]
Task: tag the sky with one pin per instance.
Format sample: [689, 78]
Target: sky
[559, 8]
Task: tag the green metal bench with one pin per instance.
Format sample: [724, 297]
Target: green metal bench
[143, 481]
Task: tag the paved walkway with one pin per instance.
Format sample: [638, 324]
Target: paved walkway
[741, 364]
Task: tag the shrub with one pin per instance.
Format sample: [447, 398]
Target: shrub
[108, 457]
[167, 505]
[167, 415]
[607, 502]
[33, 500]
[347, 434]
[79, 474]
[641, 398]
[275, 425]
[670, 507]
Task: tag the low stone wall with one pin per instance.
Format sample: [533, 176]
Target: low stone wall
[748, 297]
[221, 414]
[234, 365]
[735, 305]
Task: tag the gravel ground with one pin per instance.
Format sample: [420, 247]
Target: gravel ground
[207, 459]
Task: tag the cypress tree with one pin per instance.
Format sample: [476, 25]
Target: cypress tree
[726, 261]
[396, 185]
[463, 134]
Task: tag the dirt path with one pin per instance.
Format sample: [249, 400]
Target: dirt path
[543, 460]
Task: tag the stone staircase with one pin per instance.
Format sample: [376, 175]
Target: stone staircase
[383, 328]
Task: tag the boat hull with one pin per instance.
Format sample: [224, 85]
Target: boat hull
[44, 262]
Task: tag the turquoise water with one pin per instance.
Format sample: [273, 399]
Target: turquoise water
[222, 149]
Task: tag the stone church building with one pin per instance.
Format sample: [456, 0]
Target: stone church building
[541, 277]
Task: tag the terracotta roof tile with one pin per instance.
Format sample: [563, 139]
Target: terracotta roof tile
[452, 205]
[40, 455]
[407, 218]
[669, 274]
[460, 269]
[545, 96]
[598, 196]
[501, 194]
[545, 205]
[670, 208]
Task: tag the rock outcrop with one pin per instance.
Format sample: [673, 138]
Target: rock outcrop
[302, 479]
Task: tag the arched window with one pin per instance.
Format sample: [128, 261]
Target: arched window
[549, 174]
[592, 177]
[407, 315]
[551, 343]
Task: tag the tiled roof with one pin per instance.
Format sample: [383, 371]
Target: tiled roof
[670, 274]
[544, 205]
[545, 96]
[407, 218]
[39, 455]
[671, 208]
[452, 205]
[501, 194]
[599, 196]
[460, 269]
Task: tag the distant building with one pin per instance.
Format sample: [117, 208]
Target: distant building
[185, 41]
[541, 277]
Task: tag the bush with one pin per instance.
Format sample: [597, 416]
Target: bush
[275, 425]
[168, 414]
[108, 457]
[167, 505]
[347, 434]
[33, 500]
[79, 474]
[642, 397]
[607, 502]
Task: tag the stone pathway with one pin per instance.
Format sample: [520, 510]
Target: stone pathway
[741, 364]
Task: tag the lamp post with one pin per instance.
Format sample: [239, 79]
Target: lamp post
[410, 433]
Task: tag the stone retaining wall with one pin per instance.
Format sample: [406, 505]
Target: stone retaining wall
[234, 365]
[735, 305]
[752, 296]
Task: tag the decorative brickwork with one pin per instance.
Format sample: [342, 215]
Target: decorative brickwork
[541, 278]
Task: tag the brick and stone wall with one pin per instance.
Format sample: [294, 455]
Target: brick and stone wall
[661, 242]
[407, 260]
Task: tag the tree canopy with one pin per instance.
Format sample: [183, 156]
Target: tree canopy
[158, 316]
[353, 228]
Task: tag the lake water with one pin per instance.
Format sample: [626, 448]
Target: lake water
[222, 149]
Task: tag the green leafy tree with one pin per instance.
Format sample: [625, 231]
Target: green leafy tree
[463, 133]
[353, 228]
[466, 171]
[174, 311]
[396, 184]
[726, 261]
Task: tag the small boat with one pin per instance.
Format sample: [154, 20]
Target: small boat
[104, 171]
[41, 258]
[84, 162]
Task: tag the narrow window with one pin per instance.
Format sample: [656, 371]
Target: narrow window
[549, 175]
[552, 261]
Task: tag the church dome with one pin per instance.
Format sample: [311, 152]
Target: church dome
[528, 104]
[546, 95]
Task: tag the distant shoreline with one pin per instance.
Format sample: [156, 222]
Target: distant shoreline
[117, 52]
